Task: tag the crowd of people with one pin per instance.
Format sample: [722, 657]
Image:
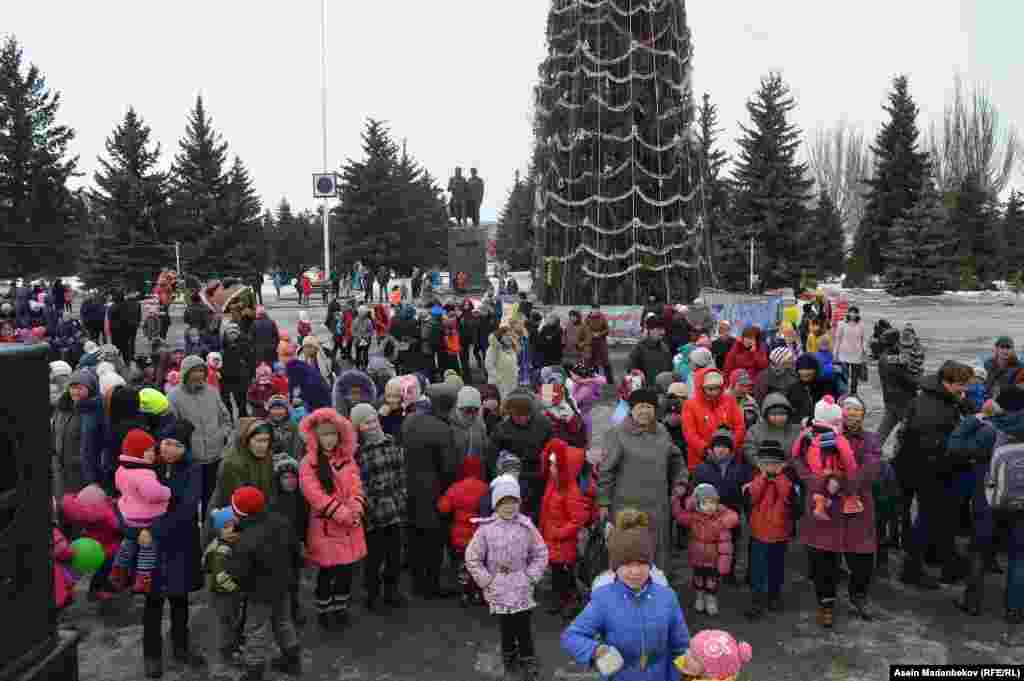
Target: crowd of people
[248, 457]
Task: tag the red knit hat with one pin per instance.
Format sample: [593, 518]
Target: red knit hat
[247, 501]
[136, 443]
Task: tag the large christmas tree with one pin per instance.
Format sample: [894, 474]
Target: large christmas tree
[616, 159]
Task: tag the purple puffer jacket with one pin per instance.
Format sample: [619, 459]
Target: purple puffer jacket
[507, 558]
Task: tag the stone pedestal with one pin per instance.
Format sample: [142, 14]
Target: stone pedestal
[467, 252]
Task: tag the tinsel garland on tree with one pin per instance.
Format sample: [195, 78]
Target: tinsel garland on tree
[620, 187]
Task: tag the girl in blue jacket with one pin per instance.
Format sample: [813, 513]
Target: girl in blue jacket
[639, 622]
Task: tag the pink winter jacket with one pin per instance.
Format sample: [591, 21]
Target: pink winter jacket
[710, 544]
[849, 342]
[97, 521]
[143, 498]
[507, 558]
[63, 577]
[335, 535]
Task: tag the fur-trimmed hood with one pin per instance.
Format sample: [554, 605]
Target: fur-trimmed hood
[347, 440]
[353, 377]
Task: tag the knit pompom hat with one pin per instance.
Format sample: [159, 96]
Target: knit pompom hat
[723, 436]
[714, 655]
[502, 487]
[60, 369]
[135, 445]
[508, 463]
[828, 413]
[247, 501]
[631, 541]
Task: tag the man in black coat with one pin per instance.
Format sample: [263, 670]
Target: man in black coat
[524, 433]
[923, 467]
[651, 355]
[430, 468]
[125, 318]
[899, 385]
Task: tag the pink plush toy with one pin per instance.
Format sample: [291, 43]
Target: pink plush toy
[714, 655]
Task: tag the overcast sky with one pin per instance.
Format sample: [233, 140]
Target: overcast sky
[454, 77]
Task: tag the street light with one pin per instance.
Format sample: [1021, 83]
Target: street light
[323, 125]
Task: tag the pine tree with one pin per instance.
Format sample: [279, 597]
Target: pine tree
[1013, 231]
[130, 211]
[980, 240]
[824, 240]
[515, 226]
[200, 183]
[772, 185]
[900, 172]
[391, 210]
[614, 153]
[236, 248]
[37, 211]
[722, 242]
[922, 257]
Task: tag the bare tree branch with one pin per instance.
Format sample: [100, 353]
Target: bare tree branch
[840, 162]
[973, 142]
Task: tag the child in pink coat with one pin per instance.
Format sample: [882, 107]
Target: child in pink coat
[507, 557]
[710, 546]
[335, 540]
[143, 500]
[95, 514]
[64, 577]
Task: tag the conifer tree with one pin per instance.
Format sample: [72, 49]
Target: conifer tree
[772, 185]
[199, 179]
[922, 257]
[391, 211]
[515, 226]
[824, 245]
[722, 241]
[37, 211]
[614, 153]
[1013, 231]
[901, 168]
[236, 248]
[130, 210]
[980, 241]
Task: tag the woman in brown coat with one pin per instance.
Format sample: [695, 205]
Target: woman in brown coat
[597, 325]
[575, 340]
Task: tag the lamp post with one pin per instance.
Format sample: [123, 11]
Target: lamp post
[323, 126]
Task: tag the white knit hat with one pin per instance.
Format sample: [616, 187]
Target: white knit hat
[109, 381]
[701, 358]
[59, 369]
[504, 486]
[828, 413]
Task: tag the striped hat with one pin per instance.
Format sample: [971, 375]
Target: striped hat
[781, 356]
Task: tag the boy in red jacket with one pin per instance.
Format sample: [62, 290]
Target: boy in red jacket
[564, 511]
[463, 501]
[772, 496]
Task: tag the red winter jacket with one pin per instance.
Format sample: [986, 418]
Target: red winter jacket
[463, 500]
[701, 418]
[564, 509]
[754, 361]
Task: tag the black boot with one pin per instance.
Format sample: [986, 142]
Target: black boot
[512, 667]
[861, 609]
[253, 673]
[154, 667]
[189, 657]
[289, 663]
[757, 607]
[531, 668]
[913, 574]
[974, 590]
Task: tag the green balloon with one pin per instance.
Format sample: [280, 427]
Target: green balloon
[87, 555]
